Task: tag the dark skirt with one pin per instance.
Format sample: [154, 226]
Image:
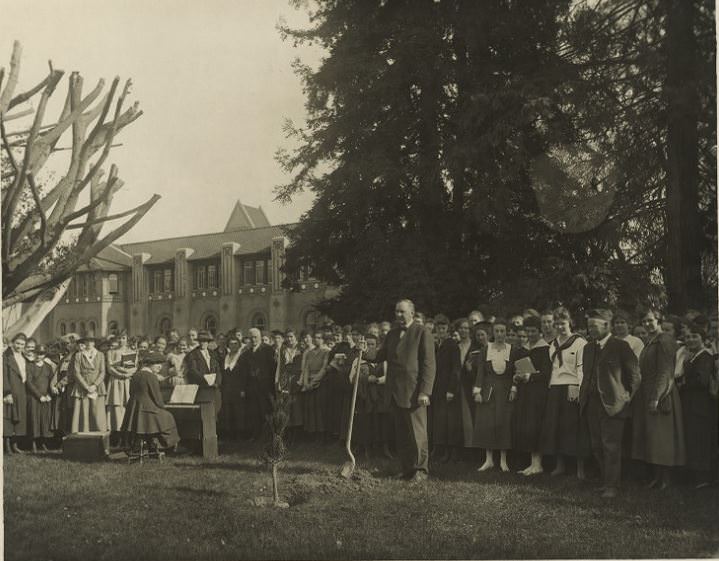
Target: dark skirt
[561, 433]
[15, 415]
[658, 438]
[296, 410]
[313, 409]
[700, 411]
[159, 424]
[493, 419]
[233, 414]
[40, 418]
[528, 416]
[447, 422]
[61, 412]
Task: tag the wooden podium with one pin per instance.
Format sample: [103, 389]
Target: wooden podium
[196, 421]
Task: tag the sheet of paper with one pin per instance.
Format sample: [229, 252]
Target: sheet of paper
[184, 393]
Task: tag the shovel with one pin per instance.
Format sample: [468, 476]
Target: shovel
[348, 467]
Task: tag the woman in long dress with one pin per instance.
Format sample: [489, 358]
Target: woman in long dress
[314, 387]
[532, 397]
[233, 391]
[121, 365]
[88, 413]
[289, 368]
[699, 407]
[468, 349]
[657, 419]
[560, 435]
[39, 376]
[494, 393]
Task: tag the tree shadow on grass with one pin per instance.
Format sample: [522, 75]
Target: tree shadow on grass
[245, 467]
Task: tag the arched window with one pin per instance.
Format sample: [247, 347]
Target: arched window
[73, 327]
[83, 331]
[165, 326]
[112, 328]
[91, 328]
[259, 321]
[63, 328]
[210, 324]
[312, 319]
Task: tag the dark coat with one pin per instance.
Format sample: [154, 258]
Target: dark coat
[39, 412]
[195, 370]
[15, 415]
[411, 363]
[145, 413]
[617, 374]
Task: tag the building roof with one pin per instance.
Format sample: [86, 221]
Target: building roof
[245, 217]
[206, 246]
[112, 258]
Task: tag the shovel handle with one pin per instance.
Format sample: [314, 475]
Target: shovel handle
[348, 443]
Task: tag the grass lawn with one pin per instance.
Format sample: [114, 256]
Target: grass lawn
[187, 509]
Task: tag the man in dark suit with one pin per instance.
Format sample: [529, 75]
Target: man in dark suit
[200, 362]
[610, 380]
[258, 367]
[409, 352]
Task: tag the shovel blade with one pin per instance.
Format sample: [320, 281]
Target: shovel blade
[347, 470]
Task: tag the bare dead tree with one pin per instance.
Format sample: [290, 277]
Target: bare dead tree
[31, 235]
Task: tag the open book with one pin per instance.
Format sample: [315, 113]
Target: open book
[184, 393]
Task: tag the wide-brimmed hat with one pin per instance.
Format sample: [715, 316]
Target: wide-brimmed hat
[204, 336]
[153, 357]
[87, 338]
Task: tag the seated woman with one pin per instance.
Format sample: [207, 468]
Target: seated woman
[145, 414]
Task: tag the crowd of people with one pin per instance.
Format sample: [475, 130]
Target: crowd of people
[536, 390]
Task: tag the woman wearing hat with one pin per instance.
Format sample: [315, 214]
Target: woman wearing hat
[88, 413]
[39, 375]
[200, 363]
[14, 394]
[146, 416]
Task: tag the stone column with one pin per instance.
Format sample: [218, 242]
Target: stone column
[279, 299]
[138, 294]
[228, 286]
[183, 291]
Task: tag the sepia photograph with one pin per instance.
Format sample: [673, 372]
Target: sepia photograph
[359, 279]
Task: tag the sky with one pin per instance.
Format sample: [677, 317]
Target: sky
[215, 84]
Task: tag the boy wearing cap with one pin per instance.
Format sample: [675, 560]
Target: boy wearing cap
[611, 378]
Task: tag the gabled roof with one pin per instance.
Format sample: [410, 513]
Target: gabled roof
[245, 217]
[206, 246]
[112, 258]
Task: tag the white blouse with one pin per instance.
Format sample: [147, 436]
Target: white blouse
[498, 357]
[570, 372]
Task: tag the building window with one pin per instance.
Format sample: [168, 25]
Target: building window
[211, 276]
[312, 320]
[83, 331]
[91, 328]
[165, 326]
[167, 281]
[210, 324]
[260, 277]
[113, 284]
[90, 281]
[248, 272]
[63, 329]
[112, 328]
[259, 321]
[73, 327]
[157, 280]
[199, 277]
